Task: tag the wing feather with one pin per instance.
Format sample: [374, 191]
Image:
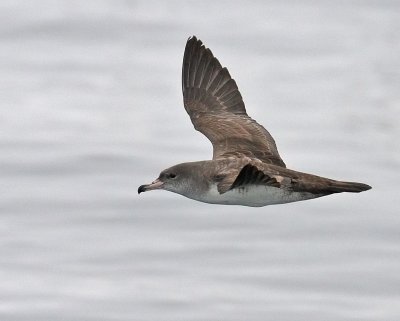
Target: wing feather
[216, 108]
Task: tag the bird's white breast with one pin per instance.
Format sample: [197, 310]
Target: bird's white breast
[254, 195]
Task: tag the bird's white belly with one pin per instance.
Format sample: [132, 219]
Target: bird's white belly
[256, 195]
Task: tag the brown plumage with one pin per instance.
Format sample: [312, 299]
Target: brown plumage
[216, 108]
[246, 168]
[243, 172]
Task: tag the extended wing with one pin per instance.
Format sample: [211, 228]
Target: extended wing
[216, 109]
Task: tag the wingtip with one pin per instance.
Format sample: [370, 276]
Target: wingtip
[352, 187]
[367, 187]
[193, 39]
[362, 187]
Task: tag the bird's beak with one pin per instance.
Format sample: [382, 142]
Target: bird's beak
[157, 184]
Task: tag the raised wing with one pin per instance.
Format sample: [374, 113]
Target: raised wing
[216, 109]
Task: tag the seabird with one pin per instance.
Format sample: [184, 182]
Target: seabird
[246, 168]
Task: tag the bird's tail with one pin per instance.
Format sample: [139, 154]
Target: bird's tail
[352, 187]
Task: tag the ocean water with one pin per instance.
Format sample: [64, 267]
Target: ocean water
[91, 108]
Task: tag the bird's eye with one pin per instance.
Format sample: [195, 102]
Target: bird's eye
[172, 175]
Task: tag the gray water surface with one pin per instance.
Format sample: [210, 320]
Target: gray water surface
[91, 108]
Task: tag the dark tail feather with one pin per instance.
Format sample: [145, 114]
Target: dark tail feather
[352, 187]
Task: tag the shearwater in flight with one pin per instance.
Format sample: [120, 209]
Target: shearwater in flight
[246, 168]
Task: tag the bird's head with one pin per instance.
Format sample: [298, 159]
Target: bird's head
[177, 179]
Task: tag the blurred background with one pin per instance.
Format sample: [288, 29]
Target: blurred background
[91, 108]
